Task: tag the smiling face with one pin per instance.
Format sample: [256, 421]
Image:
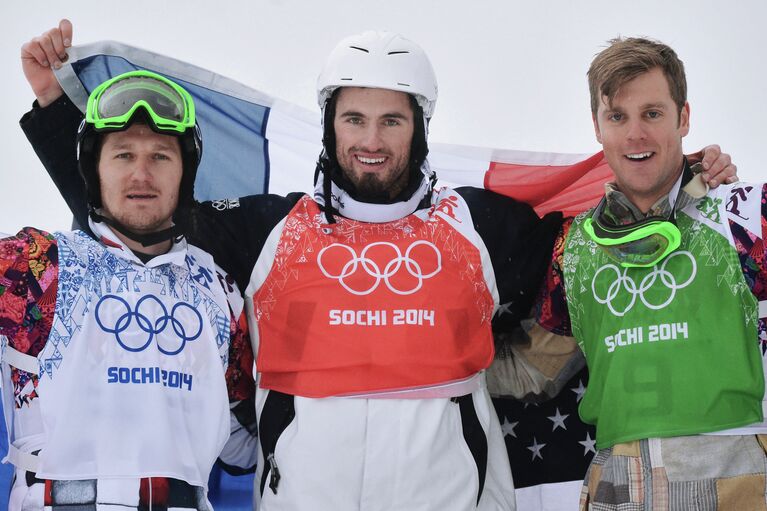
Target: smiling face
[374, 131]
[140, 173]
[641, 133]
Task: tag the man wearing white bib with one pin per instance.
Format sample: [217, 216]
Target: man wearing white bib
[126, 346]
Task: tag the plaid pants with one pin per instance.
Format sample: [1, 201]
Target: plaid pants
[692, 473]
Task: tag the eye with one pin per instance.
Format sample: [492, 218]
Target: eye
[653, 114]
[614, 116]
[354, 120]
[391, 122]
[123, 156]
[161, 156]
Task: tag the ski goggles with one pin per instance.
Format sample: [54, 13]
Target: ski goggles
[640, 244]
[168, 107]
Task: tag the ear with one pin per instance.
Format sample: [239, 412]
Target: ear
[684, 120]
[596, 128]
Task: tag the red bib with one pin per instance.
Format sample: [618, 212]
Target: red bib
[354, 307]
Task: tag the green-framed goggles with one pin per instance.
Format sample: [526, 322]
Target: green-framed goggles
[640, 244]
[112, 105]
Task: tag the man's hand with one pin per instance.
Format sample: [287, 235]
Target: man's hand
[43, 54]
[717, 166]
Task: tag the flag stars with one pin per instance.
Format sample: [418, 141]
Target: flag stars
[505, 308]
[536, 448]
[559, 420]
[588, 444]
[508, 428]
[579, 390]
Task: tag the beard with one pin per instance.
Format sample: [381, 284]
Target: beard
[372, 187]
[143, 223]
[143, 220]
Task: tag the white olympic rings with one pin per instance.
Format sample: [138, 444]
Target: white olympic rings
[372, 268]
[624, 281]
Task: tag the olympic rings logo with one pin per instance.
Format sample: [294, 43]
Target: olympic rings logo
[364, 263]
[223, 204]
[184, 319]
[624, 281]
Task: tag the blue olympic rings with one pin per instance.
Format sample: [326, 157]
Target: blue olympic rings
[146, 325]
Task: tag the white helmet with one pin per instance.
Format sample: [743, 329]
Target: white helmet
[381, 60]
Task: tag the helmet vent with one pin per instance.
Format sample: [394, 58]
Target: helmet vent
[379, 59]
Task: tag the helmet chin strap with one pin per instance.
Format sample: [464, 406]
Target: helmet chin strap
[146, 240]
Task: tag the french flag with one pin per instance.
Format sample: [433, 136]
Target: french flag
[256, 143]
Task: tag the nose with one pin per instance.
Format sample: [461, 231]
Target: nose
[636, 130]
[372, 140]
[142, 169]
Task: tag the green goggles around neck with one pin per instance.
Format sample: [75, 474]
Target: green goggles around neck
[113, 104]
[640, 244]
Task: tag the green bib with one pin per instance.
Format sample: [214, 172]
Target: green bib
[671, 349]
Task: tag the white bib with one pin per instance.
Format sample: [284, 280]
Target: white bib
[132, 376]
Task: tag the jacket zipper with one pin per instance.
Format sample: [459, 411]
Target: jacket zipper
[274, 473]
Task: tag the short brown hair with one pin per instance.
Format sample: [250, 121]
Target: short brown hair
[625, 59]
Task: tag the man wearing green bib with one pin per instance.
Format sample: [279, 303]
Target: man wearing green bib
[664, 286]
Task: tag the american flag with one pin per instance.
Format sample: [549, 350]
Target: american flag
[549, 447]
